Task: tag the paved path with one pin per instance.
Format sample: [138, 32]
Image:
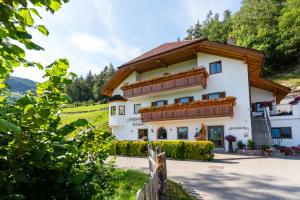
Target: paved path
[232, 176]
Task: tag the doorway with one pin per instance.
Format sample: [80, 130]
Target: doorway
[216, 135]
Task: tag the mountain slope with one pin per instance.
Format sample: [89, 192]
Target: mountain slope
[21, 85]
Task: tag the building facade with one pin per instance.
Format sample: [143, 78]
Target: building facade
[176, 90]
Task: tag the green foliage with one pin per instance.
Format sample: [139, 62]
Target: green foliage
[88, 88]
[40, 158]
[272, 26]
[265, 147]
[251, 144]
[200, 150]
[240, 144]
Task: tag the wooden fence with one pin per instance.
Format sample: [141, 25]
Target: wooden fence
[156, 188]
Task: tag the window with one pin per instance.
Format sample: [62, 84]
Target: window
[216, 95]
[215, 67]
[143, 133]
[182, 132]
[282, 132]
[121, 110]
[159, 103]
[113, 110]
[161, 133]
[136, 108]
[184, 100]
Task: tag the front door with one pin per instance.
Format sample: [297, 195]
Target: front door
[216, 135]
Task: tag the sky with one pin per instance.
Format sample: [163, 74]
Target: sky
[93, 33]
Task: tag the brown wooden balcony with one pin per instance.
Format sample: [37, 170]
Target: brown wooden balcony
[197, 109]
[193, 77]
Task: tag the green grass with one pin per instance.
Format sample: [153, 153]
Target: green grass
[85, 108]
[291, 79]
[130, 181]
[96, 117]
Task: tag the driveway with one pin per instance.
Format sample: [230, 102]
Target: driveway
[232, 176]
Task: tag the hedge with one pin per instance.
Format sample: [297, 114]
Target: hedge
[182, 150]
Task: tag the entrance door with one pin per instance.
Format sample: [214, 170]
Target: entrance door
[216, 135]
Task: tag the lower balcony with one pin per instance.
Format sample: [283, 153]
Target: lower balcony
[196, 109]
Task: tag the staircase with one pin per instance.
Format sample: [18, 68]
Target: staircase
[260, 131]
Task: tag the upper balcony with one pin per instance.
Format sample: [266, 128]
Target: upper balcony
[197, 109]
[190, 78]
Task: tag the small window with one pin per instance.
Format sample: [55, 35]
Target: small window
[143, 134]
[121, 110]
[215, 67]
[162, 133]
[282, 132]
[159, 103]
[216, 95]
[182, 132]
[136, 108]
[184, 99]
[113, 110]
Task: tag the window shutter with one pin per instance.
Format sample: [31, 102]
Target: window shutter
[191, 99]
[165, 102]
[253, 107]
[205, 97]
[222, 94]
[153, 103]
[176, 100]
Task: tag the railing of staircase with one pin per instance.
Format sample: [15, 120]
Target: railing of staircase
[269, 126]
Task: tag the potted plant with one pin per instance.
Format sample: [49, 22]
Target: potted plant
[240, 144]
[266, 150]
[251, 144]
[230, 139]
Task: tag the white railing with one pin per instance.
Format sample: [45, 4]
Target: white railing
[282, 109]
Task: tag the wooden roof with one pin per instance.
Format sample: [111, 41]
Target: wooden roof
[175, 52]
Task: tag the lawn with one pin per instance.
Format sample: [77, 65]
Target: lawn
[130, 181]
[97, 118]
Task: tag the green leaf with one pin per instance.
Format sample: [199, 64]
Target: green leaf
[8, 126]
[35, 12]
[26, 16]
[32, 45]
[17, 51]
[43, 29]
[55, 5]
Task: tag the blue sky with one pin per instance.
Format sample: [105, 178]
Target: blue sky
[94, 33]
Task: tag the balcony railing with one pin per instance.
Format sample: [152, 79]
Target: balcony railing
[282, 109]
[197, 109]
[193, 77]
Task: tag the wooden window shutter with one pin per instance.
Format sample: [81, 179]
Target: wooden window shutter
[253, 107]
[191, 99]
[176, 100]
[153, 103]
[165, 102]
[205, 97]
[222, 94]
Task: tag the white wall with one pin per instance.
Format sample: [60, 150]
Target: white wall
[292, 121]
[233, 80]
[259, 95]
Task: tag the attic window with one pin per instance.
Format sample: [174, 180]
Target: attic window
[215, 67]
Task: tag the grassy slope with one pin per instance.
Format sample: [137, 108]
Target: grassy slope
[96, 117]
[291, 79]
[130, 181]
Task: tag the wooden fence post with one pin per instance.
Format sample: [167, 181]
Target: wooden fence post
[161, 170]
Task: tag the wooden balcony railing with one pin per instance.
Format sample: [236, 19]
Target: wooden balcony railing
[193, 77]
[197, 109]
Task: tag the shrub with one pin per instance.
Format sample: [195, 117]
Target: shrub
[251, 144]
[240, 144]
[265, 147]
[199, 150]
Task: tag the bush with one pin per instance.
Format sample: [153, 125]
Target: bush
[240, 144]
[199, 150]
[265, 147]
[251, 144]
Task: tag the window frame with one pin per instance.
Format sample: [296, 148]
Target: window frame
[120, 110]
[140, 138]
[157, 132]
[219, 93]
[134, 110]
[210, 67]
[115, 110]
[187, 133]
[165, 102]
[280, 132]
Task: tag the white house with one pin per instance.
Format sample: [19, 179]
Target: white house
[171, 91]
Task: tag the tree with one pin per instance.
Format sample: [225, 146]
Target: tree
[40, 158]
[289, 29]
